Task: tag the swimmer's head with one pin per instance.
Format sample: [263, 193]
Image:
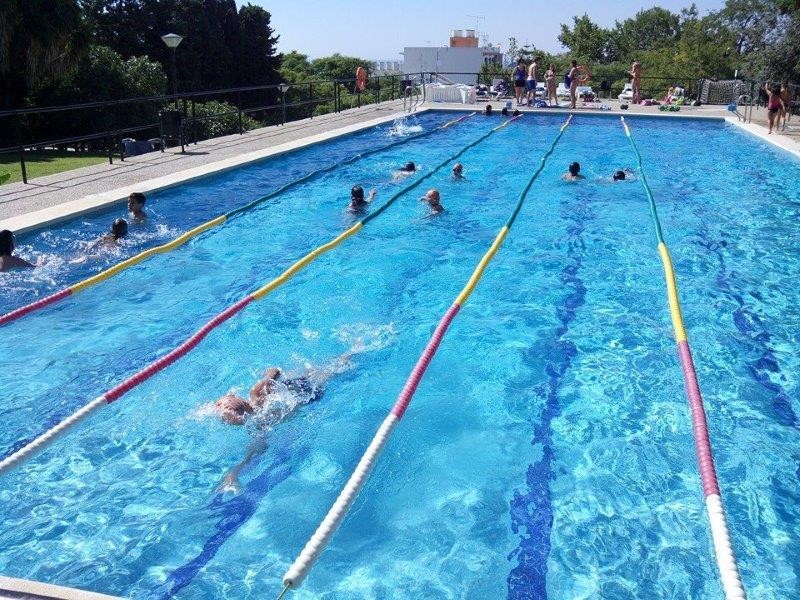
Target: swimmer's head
[6, 243]
[357, 193]
[516, 113]
[136, 201]
[619, 176]
[409, 167]
[119, 228]
[504, 112]
[458, 168]
[432, 197]
[272, 373]
[574, 169]
[488, 109]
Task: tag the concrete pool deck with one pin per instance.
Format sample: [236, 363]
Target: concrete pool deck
[23, 589]
[48, 200]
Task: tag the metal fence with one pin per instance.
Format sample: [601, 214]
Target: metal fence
[184, 118]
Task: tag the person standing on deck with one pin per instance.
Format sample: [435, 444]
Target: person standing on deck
[518, 76]
[530, 83]
[636, 82]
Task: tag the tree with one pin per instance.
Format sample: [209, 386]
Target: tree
[649, 30]
[588, 42]
[39, 39]
[101, 75]
[222, 46]
[295, 67]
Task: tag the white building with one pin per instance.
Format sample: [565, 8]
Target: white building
[459, 62]
[387, 67]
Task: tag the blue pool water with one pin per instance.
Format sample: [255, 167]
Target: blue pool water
[548, 452]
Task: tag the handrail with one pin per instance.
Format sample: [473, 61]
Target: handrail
[185, 237]
[726, 560]
[299, 569]
[40, 442]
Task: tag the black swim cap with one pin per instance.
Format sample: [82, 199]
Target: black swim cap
[6, 242]
[119, 228]
[410, 166]
[357, 193]
[575, 168]
[619, 176]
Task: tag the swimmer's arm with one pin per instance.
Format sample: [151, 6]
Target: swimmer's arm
[230, 483]
[371, 195]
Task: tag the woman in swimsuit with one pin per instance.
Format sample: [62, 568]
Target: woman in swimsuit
[550, 78]
[518, 75]
[774, 104]
[786, 102]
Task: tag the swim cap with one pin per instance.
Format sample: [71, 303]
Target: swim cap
[619, 175]
[575, 168]
[410, 166]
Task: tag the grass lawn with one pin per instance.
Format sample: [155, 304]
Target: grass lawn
[47, 162]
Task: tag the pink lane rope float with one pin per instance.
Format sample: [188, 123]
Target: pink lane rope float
[726, 560]
[305, 561]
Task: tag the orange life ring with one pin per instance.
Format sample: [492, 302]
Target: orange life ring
[584, 74]
[361, 78]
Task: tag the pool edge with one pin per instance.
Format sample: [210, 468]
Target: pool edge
[11, 587]
[39, 219]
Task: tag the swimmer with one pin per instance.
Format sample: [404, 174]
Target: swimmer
[433, 200]
[357, 201]
[504, 112]
[619, 176]
[574, 173]
[119, 229]
[7, 259]
[458, 171]
[488, 110]
[408, 169]
[267, 404]
[623, 175]
[516, 113]
[136, 206]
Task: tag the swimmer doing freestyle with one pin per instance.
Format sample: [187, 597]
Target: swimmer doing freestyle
[273, 399]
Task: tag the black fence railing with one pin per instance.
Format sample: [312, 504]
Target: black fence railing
[189, 117]
[109, 127]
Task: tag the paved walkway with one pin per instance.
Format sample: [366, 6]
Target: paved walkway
[45, 192]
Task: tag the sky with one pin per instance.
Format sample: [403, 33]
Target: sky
[379, 30]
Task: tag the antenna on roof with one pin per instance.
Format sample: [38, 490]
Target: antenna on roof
[478, 33]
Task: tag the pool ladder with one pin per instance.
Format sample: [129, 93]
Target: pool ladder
[411, 98]
[746, 116]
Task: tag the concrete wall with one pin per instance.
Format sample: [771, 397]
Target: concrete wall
[445, 60]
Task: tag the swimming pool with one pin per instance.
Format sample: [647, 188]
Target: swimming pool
[548, 452]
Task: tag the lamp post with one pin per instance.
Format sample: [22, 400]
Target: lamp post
[284, 87]
[171, 40]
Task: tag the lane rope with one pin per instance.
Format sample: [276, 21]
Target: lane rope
[305, 561]
[217, 221]
[726, 560]
[187, 346]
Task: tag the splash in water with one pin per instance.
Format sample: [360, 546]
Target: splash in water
[403, 127]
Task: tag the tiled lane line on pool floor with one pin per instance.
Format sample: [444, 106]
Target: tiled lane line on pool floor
[185, 237]
[726, 560]
[304, 562]
[748, 323]
[532, 508]
[39, 443]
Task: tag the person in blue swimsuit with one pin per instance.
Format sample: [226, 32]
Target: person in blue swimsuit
[518, 76]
